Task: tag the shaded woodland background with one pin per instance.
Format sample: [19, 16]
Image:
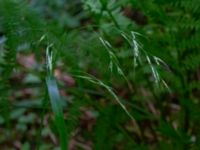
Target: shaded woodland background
[95, 41]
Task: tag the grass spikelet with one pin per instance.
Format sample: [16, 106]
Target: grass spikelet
[135, 46]
[154, 71]
[139, 53]
[96, 81]
[114, 61]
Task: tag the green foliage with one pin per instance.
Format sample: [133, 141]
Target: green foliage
[134, 52]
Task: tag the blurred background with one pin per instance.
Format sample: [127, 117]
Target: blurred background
[127, 71]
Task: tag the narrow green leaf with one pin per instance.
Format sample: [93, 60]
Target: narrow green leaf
[57, 109]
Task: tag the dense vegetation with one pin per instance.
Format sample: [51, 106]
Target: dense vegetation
[100, 74]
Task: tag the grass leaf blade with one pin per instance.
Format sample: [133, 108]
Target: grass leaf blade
[57, 109]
